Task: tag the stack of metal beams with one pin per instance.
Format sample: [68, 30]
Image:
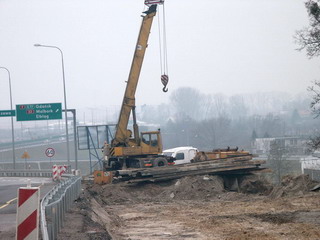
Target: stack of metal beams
[242, 164]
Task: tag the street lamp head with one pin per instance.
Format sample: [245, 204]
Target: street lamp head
[47, 46]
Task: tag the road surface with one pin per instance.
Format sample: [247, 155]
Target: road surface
[8, 200]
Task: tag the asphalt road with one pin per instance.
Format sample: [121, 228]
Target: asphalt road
[8, 201]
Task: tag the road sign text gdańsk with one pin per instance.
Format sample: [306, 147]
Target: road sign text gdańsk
[40, 111]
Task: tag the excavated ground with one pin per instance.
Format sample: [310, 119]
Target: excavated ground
[197, 207]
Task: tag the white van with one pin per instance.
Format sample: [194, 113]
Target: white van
[181, 154]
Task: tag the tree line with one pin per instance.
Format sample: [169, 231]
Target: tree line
[217, 121]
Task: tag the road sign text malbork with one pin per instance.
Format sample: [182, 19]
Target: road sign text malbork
[43, 111]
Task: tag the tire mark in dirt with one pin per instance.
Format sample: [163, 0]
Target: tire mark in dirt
[142, 222]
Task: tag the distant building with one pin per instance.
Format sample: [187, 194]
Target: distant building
[261, 146]
[310, 162]
[295, 145]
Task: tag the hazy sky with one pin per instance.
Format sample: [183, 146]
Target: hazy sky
[230, 47]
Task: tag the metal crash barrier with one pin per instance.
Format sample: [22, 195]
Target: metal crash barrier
[56, 203]
[26, 173]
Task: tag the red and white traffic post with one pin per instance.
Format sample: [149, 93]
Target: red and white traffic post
[55, 173]
[28, 213]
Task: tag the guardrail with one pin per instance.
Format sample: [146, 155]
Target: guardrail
[56, 203]
[26, 173]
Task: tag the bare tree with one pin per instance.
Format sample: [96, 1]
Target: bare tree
[213, 133]
[237, 106]
[187, 102]
[217, 106]
[265, 102]
[271, 126]
[314, 142]
[309, 37]
[158, 114]
[315, 102]
[276, 157]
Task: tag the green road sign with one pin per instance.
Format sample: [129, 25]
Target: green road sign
[41, 111]
[7, 113]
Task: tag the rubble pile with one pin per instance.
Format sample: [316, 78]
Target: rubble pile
[187, 188]
[255, 185]
[293, 186]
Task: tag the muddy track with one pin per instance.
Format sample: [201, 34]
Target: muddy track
[197, 209]
[142, 221]
[255, 219]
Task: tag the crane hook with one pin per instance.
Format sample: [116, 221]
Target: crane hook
[164, 80]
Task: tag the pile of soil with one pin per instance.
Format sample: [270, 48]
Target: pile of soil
[255, 185]
[188, 188]
[293, 186]
[123, 193]
[198, 188]
[194, 188]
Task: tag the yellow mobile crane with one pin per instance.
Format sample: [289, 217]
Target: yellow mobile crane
[127, 151]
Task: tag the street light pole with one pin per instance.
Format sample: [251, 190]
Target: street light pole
[65, 98]
[73, 111]
[12, 128]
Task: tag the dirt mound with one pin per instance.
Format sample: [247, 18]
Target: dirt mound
[255, 185]
[187, 188]
[293, 186]
[194, 188]
[122, 193]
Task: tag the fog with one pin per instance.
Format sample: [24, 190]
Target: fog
[217, 47]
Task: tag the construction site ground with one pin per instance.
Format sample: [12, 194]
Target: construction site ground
[197, 207]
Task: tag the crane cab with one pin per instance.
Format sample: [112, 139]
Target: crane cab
[151, 142]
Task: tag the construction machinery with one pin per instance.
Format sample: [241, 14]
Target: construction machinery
[135, 151]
